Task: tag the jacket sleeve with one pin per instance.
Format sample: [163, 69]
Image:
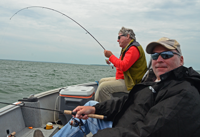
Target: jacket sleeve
[111, 107]
[131, 56]
[169, 117]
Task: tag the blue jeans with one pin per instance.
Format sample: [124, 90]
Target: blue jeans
[90, 125]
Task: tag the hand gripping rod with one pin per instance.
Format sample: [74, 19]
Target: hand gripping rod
[89, 115]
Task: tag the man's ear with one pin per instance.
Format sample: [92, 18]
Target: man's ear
[128, 36]
[182, 60]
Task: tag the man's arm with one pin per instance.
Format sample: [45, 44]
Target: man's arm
[131, 56]
[110, 107]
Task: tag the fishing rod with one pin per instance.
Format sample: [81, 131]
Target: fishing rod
[68, 112]
[22, 104]
[62, 14]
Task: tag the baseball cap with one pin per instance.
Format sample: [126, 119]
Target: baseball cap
[165, 42]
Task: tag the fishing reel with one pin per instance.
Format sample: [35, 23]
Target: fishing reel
[76, 123]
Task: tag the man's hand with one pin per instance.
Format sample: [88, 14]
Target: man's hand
[107, 61]
[84, 110]
[107, 53]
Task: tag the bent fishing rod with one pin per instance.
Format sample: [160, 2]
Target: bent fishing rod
[68, 112]
[63, 15]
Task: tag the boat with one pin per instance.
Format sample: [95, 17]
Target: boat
[37, 111]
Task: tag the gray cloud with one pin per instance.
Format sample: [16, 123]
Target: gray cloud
[43, 35]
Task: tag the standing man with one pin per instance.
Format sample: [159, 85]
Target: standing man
[167, 105]
[130, 67]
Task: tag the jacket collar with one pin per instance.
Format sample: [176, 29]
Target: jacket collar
[180, 73]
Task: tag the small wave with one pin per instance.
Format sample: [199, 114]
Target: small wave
[22, 78]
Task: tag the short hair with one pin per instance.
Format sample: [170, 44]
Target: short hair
[126, 31]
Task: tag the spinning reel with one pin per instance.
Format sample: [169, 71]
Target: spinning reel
[76, 123]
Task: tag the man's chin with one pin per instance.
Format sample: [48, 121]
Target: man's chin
[161, 71]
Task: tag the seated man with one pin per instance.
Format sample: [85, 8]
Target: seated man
[130, 67]
[167, 105]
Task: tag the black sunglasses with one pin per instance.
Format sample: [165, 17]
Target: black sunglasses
[164, 55]
[120, 36]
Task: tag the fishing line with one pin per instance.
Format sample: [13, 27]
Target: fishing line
[62, 14]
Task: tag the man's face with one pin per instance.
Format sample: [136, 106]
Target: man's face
[161, 66]
[123, 41]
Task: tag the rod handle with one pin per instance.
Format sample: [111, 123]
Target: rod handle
[68, 112]
[96, 116]
[89, 115]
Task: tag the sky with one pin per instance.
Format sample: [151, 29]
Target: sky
[38, 34]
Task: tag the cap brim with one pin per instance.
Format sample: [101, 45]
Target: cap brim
[152, 45]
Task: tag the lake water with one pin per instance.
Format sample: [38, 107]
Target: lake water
[19, 79]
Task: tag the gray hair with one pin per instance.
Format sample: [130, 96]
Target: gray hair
[126, 31]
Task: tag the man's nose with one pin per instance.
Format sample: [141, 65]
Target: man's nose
[159, 58]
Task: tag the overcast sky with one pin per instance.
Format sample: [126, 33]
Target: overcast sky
[37, 34]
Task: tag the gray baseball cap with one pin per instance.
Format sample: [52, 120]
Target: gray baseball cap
[165, 42]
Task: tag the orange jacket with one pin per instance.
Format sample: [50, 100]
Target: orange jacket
[131, 56]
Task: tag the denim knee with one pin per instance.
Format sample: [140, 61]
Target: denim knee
[91, 103]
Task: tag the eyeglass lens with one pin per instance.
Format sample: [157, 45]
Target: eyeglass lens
[164, 55]
[120, 37]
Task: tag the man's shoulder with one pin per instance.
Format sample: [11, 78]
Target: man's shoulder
[182, 78]
[133, 48]
[193, 72]
[181, 73]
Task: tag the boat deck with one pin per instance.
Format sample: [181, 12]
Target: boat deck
[26, 132]
[47, 133]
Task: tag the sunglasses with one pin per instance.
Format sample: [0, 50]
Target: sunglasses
[120, 36]
[164, 55]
